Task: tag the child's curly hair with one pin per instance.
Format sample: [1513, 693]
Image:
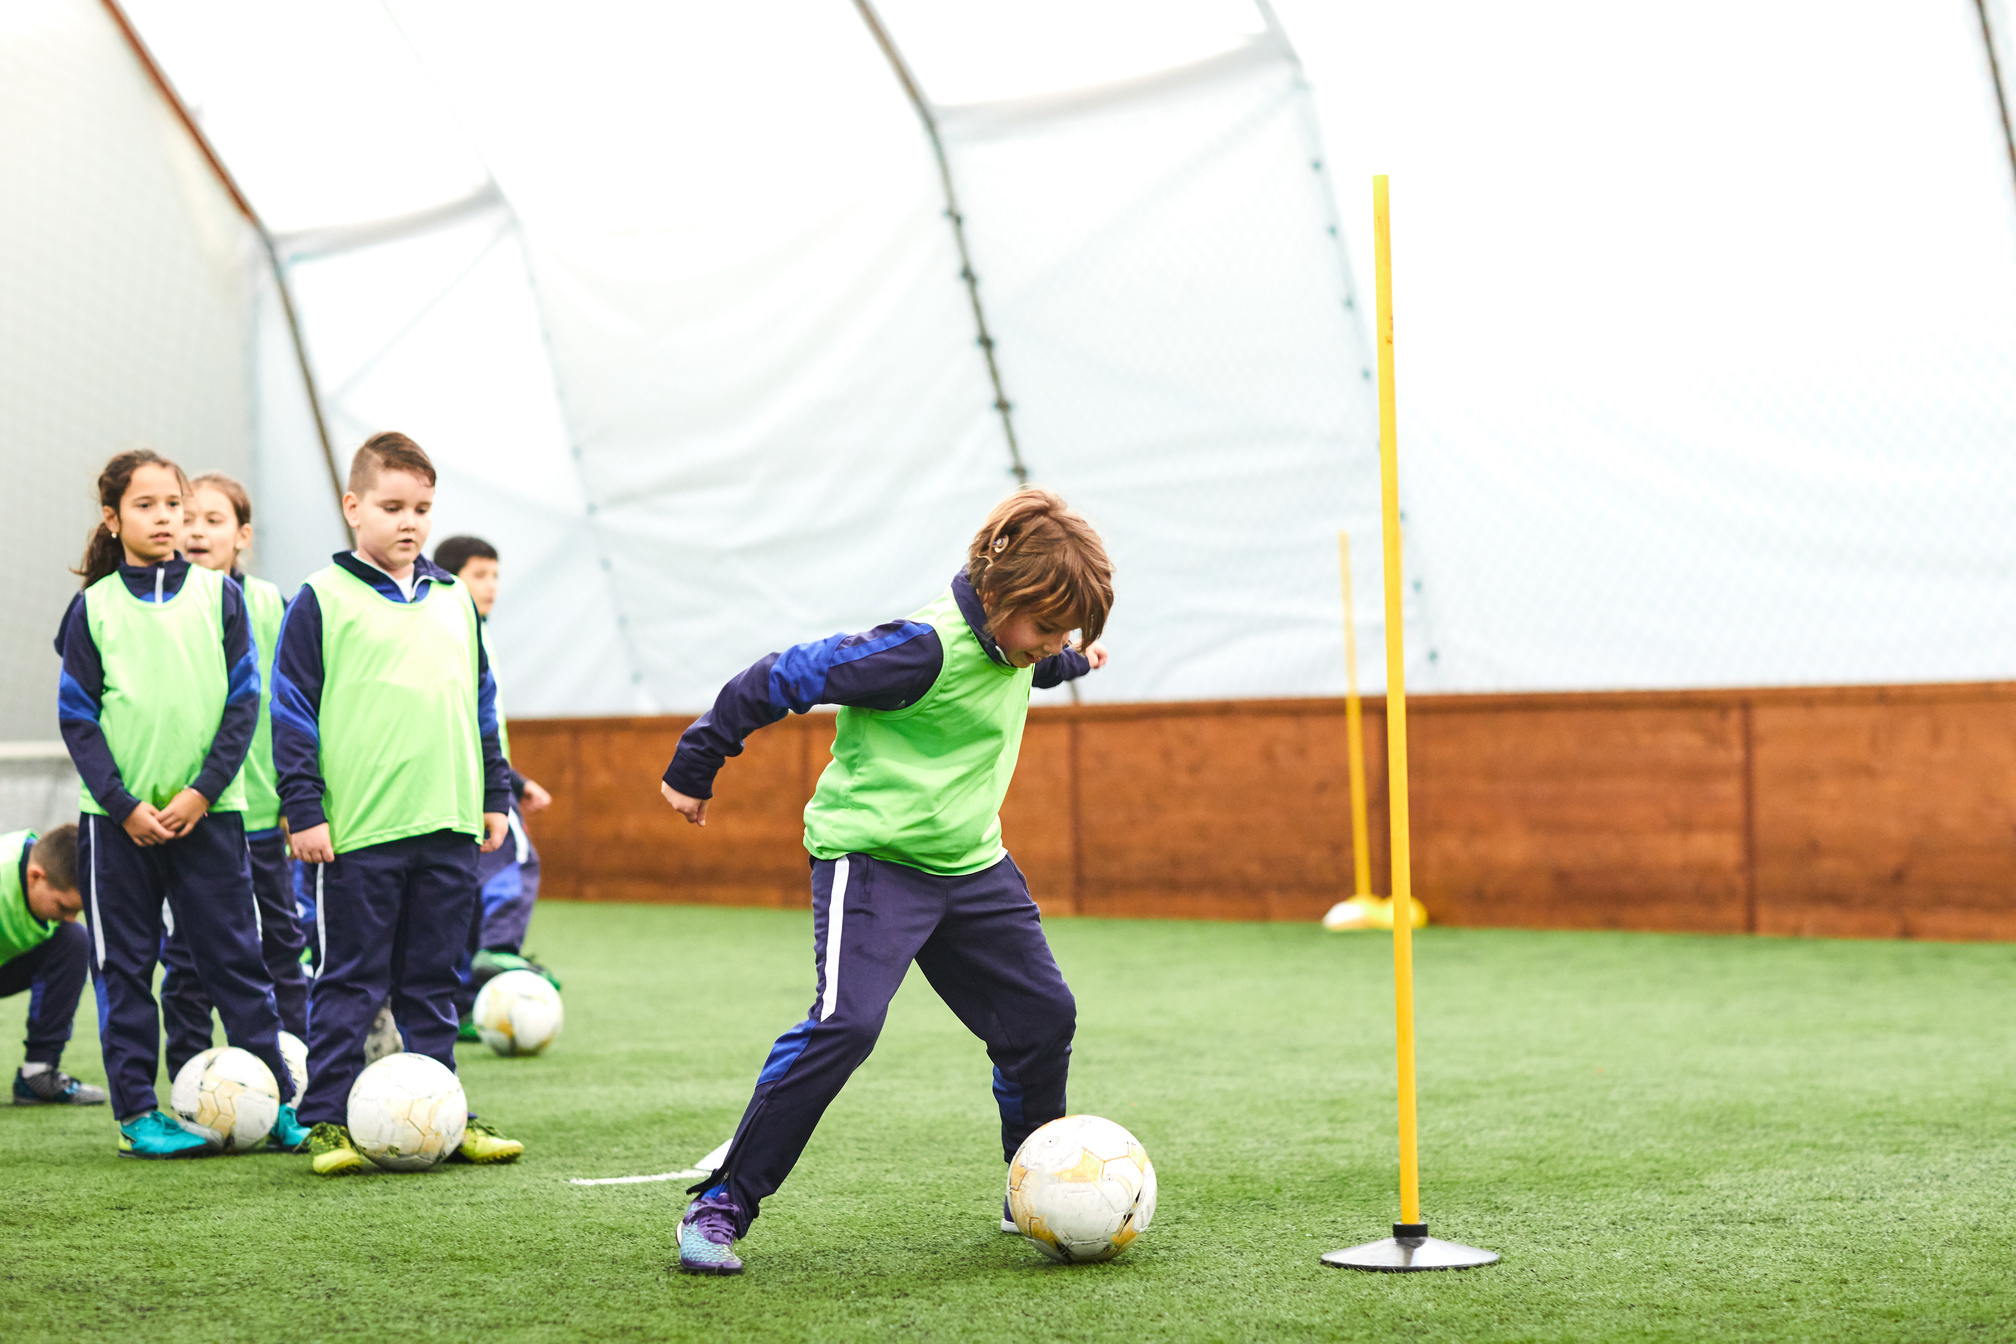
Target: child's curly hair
[1035, 555]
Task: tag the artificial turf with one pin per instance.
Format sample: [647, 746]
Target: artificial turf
[1666, 1137]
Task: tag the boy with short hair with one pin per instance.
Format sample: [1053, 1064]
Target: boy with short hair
[391, 778]
[47, 953]
[509, 875]
[905, 839]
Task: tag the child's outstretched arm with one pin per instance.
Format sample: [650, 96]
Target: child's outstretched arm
[888, 667]
[297, 730]
[80, 693]
[1068, 666]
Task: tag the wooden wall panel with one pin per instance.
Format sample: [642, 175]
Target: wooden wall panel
[1581, 817]
[1826, 811]
[1884, 819]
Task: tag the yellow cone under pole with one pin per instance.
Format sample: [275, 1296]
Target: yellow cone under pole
[1410, 1247]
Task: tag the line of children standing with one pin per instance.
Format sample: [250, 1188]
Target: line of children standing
[385, 759]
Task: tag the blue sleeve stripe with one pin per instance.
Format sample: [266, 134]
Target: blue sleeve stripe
[74, 703]
[798, 677]
[291, 707]
[245, 676]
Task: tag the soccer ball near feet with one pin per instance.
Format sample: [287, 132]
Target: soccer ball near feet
[407, 1112]
[1081, 1188]
[227, 1096]
[518, 1013]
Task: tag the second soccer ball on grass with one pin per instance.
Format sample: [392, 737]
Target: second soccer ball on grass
[1081, 1188]
[227, 1096]
[518, 1013]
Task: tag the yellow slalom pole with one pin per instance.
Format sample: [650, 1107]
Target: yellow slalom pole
[1396, 711]
[1410, 1247]
[1354, 732]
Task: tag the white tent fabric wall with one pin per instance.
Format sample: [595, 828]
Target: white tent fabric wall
[125, 281]
[1705, 336]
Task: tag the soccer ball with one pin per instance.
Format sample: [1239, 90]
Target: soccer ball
[384, 1038]
[228, 1097]
[295, 1051]
[518, 1013]
[1081, 1188]
[407, 1112]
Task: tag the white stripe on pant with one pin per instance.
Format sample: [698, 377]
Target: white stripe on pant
[836, 914]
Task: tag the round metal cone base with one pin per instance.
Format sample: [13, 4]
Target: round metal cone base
[1402, 1255]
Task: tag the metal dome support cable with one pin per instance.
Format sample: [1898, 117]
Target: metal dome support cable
[952, 213]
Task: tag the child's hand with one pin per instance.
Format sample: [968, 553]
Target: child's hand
[143, 823]
[1096, 655]
[314, 845]
[536, 799]
[495, 827]
[184, 811]
[693, 809]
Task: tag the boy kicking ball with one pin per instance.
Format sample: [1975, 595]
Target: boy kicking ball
[391, 778]
[905, 838]
[45, 953]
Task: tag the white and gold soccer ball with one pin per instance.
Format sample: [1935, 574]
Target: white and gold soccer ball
[518, 1013]
[227, 1096]
[294, 1050]
[407, 1112]
[1082, 1189]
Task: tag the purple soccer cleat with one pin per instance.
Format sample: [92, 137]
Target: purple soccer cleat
[707, 1236]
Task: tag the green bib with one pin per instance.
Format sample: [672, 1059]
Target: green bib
[923, 786]
[20, 931]
[165, 685]
[401, 749]
[264, 608]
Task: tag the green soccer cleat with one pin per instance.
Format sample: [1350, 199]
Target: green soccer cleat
[484, 1146]
[333, 1153]
[288, 1135]
[490, 963]
[465, 1030]
[156, 1137]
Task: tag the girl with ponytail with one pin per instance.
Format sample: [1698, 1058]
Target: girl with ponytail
[157, 701]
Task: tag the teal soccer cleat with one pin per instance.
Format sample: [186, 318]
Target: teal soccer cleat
[154, 1136]
[707, 1237]
[288, 1135]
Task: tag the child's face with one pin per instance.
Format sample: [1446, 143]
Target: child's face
[47, 901]
[1027, 640]
[212, 536]
[148, 520]
[480, 574]
[392, 519]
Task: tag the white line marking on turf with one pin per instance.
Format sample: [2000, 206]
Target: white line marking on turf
[706, 1166]
[691, 1174]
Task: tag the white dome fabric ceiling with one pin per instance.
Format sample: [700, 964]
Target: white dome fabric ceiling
[1706, 322]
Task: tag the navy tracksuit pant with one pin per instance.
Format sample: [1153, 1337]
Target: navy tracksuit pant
[979, 941]
[206, 879]
[185, 1008]
[390, 921]
[507, 880]
[53, 973]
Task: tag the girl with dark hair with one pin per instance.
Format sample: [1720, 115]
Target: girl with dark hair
[157, 701]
